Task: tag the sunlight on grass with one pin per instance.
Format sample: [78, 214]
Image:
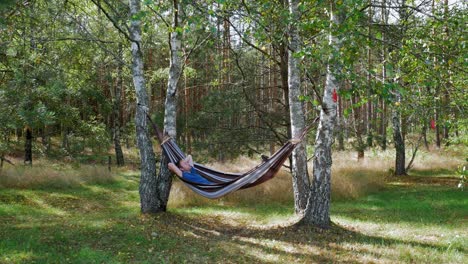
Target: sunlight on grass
[16, 256]
[409, 219]
[53, 176]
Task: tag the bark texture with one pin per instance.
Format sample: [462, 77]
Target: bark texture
[170, 111]
[148, 191]
[28, 146]
[300, 176]
[398, 138]
[318, 207]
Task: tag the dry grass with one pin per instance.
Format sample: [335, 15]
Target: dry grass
[277, 190]
[351, 178]
[53, 176]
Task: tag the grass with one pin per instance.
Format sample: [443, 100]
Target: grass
[414, 219]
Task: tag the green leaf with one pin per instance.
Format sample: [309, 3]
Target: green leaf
[378, 35]
[11, 52]
[346, 112]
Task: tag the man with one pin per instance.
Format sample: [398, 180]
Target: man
[185, 169]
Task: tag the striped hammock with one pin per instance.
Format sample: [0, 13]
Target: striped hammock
[223, 183]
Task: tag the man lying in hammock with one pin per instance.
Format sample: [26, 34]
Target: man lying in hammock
[185, 169]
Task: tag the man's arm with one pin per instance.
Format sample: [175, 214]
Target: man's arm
[189, 160]
[172, 167]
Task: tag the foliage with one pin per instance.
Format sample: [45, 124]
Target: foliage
[59, 68]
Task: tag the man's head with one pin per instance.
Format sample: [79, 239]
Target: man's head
[184, 165]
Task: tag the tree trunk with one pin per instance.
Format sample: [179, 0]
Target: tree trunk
[119, 157]
[300, 176]
[383, 120]
[446, 98]
[369, 127]
[318, 207]
[170, 112]
[284, 86]
[424, 135]
[148, 185]
[398, 138]
[358, 115]
[46, 139]
[340, 124]
[64, 135]
[28, 147]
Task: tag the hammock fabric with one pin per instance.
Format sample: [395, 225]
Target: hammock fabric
[224, 183]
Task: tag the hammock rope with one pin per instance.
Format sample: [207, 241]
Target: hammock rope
[223, 183]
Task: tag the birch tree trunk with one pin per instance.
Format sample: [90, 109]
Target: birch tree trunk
[170, 112]
[148, 191]
[318, 207]
[300, 177]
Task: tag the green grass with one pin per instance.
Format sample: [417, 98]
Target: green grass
[408, 221]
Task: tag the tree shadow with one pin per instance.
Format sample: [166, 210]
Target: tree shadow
[292, 243]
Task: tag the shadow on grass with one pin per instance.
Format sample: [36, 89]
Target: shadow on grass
[93, 224]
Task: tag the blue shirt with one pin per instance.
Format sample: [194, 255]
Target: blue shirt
[193, 176]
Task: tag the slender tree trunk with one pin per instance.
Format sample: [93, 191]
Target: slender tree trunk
[358, 114]
[398, 135]
[437, 109]
[46, 139]
[285, 89]
[369, 127]
[341, 127]
[383, 120]
[436, 119]
[148, 184]
[28, 146]
[447, 78]
[398, 138]
[119, 157]
[170, 113]
[64, 134]
[424, 135]
[300, 176]
[318, 207]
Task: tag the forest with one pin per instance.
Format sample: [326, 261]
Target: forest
[331, 131]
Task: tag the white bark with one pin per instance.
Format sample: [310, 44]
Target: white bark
[300, 175]
[170, 112]
[148, 198]
[318, 207]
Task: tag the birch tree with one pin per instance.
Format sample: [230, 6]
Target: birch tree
[318, 206]
[148, 187]
[164, 180]
[300, 176]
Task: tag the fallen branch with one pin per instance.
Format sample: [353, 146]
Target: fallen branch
[410, 164]
[2, 159]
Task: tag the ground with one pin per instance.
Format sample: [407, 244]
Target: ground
[421, 218]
